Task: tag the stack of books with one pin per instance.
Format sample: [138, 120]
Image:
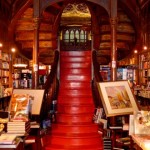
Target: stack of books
[18, 127]
[107, 143]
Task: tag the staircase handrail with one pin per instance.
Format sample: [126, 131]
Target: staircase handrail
[51, 87]
[96, 67]
[53, 72]
[96, 78]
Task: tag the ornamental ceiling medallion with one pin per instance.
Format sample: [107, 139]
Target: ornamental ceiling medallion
[76, 10]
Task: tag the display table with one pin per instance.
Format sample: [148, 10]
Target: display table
[142, 141]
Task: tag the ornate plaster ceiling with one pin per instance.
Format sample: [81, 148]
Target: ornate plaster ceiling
[76, 10]
[76, 14]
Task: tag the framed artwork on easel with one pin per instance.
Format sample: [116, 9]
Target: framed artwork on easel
[117, 98]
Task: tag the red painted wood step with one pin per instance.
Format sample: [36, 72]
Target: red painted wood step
[76, 141]
[74, 71]
[75, 93]
[72, 85]
[74, 100]
[58, 147]
[75, 109]
[74, 129]
[81, 71]
[75, 65]
[75, 59]
[75, 53]
[75, 78]
[74, 119]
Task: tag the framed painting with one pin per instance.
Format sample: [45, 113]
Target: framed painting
[37, 97]
[117, 98]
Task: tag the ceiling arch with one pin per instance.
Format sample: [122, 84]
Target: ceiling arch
[50, 22]
[103, 3]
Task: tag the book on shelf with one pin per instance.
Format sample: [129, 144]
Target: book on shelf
[30, 139]
[18, 127]
[98, 115]
[34, 124]
[107, 143]
[7, 139]
[116, 127]
[124, 140]
[18, 132]
[131, 124]
[4, 118]
[104, 122]
[18, 123]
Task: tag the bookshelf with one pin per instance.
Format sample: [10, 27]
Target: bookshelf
[4, 70]
[144, 68]
[105, 72]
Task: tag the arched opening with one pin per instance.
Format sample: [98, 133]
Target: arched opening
[75, 27]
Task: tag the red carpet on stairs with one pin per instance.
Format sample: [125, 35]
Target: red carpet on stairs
[74, 129]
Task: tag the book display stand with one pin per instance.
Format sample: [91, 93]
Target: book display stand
[118, 102]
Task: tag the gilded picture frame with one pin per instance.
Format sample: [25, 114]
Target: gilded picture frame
[117, 98]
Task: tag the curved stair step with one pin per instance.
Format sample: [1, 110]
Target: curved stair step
[72, 77]
[75, 141]
[76, 59]
[74, 100]
[76, 93]
[75, 109]
[75, 65]
[75, 53]
[75, 71]
[58, 147]
[75, 85]
[70, 119]
[74, 129]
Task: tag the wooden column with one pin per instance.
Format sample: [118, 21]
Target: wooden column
[36, 21]
[113, 22]
[35, 78]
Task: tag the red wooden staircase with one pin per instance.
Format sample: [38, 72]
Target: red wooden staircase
[74, 129]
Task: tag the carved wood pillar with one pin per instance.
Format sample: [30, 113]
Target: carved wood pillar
[113, 22]
[36, 21]
[35, 78]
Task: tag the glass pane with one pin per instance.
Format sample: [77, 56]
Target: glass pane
[66, 36]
